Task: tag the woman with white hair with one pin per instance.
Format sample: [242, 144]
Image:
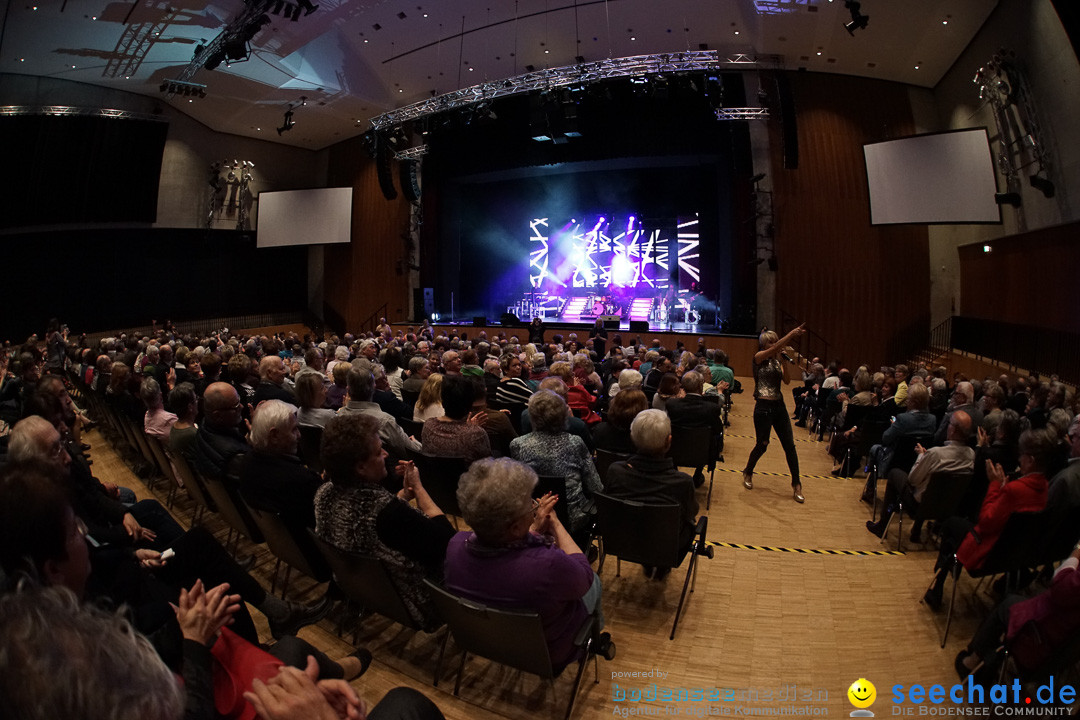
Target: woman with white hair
[551, 450]
[769, 411]
[520, 556]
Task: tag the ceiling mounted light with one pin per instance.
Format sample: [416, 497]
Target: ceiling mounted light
[288, 124]
[858, 20]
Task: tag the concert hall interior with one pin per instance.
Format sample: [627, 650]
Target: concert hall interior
[901, 179]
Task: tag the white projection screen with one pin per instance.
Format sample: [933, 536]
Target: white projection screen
[304, 217]
[936, 178]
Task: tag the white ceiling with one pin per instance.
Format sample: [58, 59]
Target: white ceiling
[349, 71]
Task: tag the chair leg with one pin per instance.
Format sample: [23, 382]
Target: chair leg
[285, 582]
[900, 536]
[682, 597]
[618, 565]
[438, 662]
[603, 554]
[708, 498]
[460, 672]
[577, 680]
[274, 577]
[952, 602]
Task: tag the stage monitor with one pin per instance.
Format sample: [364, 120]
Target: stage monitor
[936, 178]
[305, 217]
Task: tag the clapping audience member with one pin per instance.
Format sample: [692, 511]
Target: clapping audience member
[518, 555]
[613, 434]
[458, 432]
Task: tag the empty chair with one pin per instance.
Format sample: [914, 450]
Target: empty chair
[940, 500]
[294, 549]
[649, 535]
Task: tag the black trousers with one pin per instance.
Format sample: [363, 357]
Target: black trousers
[771, 415]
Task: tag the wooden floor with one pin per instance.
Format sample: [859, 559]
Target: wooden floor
[812, 603]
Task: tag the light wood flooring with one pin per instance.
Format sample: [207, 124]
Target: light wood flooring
[786, 615]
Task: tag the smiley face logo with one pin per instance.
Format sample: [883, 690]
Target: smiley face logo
[862, 693]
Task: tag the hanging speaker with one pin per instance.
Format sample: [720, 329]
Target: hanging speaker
[409, 179]
[383, 159]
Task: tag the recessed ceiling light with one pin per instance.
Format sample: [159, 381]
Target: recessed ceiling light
[34, 7]
[944, 22]
[401, 90]
[72, 67]
[916, 67]
[22, 59]
[548, 52]
[470, 69]
[365, 40]
[633, 38]
[93, 17]
[425, 14]
[819, 53]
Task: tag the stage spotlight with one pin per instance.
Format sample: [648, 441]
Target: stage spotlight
[858, 20]
[1043, 185]
[1007, 199]
[236, 50]
[288, 124]
[214, 60]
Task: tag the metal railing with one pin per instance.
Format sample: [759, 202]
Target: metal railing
[1038, 350]
[205, 326]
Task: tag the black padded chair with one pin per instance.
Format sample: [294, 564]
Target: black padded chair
[903, 457]
[193, 486]
[295, 549]
[440, 476]
[649, 535]
[694, 448]
[554, 484]
[604, 459]
[233, 511]
[411, 427]
[409, 398]
[940, 500]
[310, 446]
[509, 637]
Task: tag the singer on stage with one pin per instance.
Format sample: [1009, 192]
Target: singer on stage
[769, 411]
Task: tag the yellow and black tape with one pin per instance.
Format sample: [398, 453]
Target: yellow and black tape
[802, 551]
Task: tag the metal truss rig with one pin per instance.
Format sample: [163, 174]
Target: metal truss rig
[585, 73]
[82, 111]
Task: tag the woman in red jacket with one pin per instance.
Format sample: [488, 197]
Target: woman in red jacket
[970, 544]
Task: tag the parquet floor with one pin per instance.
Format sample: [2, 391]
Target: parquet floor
[780, 627]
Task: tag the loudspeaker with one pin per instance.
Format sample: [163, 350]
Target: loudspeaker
[383, 159]
[639, 326]
[409, 177]
[418, 304]
[611, 323]
[508, 319]
[429, 302]
[789, 129]
[479, 321]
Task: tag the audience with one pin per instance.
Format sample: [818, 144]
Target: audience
[458, 432]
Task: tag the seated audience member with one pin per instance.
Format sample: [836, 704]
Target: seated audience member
[992, 403]
[355, 512]
[419, 370]
[244, 377]
[513, 392]
[954, 456]
[491, 377]
[550, 450]
[271, 475]
[271, 386]
[574, 425]
[614, 434]
[900, 375]
[849, 435]
[470, 364]
[185, 405]
[458, 432]
[628, 379]
[1064, 489]
[429, 403]
[339, 388]
[158, 421]
[693, 410]
[313, 363]
[971, 542]
[384, 397]
[662, 367]
[1000, 449]
[72, 417]
[361, 391]
[670, 387]
[519, 555]
[451, 362]
[392, 361]
[220, 441]
[17, 390]
[913, 423]
[311, 397]
[497, 425]
[579, 399]
[119, 397]
[963, 400]
[1033, 628]
[650, 477]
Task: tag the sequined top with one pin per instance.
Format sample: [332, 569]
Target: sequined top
[768, 377]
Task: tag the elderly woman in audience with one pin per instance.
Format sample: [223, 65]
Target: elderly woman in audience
[119, 398]
[457, 432]
[613, 434]
[311, 396]
[670, 387]
[355, 512]
[158, 421]
[579, 399]
[519, 555]
[339, 388]
[969, 542]
[550, 450]
[513, 390]
[185, 405]
[629, 379]
[429, 404]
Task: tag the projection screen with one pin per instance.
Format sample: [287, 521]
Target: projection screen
[304, 217]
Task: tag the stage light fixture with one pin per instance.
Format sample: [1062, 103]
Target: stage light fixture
[858, 20]
[288, 124]
[1043, 185]
[1010, 198]
[236, 50]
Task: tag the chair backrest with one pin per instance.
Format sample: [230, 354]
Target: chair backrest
[943, 494]
[232, 508]
[1017, 543]
[511, 637]
[440, 476]
[160, 458]
[904, 450]
[192, 482]
[310, 446]
[1060, 537]
[603, 461]
[690, 446]
[365, 580]
[411, 427]
[856, 416]
[640, 533]
[295, 549]
[409, 398]
[554, 484]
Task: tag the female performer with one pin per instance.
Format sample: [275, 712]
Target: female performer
[769, 410]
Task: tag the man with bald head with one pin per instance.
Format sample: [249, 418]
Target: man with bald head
[956, 456]
[272, 382]
[220, 442]
[963, 399]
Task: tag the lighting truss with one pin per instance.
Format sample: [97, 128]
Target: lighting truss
[411, 153]
[69, 110]
[251, 13]
[744, 113]
[179, 87]
[583, 74]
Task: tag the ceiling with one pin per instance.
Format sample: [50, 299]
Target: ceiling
[354, 59]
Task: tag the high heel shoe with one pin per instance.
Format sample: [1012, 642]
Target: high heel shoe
[748, 480]
[798, 494]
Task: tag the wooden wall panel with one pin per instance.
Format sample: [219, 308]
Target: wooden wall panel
[861, 287]
[364, 274]
[1025, 279]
